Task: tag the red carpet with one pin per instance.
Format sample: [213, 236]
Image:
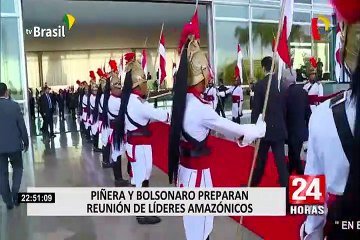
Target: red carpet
[232, 170]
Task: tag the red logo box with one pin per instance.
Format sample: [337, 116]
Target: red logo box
[307, 190]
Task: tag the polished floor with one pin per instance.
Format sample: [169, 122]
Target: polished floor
[68, 161]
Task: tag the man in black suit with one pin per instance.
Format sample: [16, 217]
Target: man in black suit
[221, 103]
[47, 108]
[72, 100]
[276, 132]
[13, 140]
[61, 102]
[297, 116]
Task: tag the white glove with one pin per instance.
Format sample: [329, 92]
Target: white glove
[253, 132]
[221, 94]
[316, 235]
[305, 147]
[261, 126]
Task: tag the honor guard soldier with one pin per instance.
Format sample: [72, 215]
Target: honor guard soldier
[210, 95]
[114, 103]
[192, 120]
[133, 121]
[103, 122]
[237, 97]
[313, 87]
[334, 143]
[105, 128]
[95, 96]
[80, 92]
[85, 116]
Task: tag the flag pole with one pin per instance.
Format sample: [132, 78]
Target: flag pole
[146, 39]
[157, 55]
[281, 23]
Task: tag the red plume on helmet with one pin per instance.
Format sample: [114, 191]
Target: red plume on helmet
[313, 62]
[92, 75]
[113, 65]
[129, 57]
[100, 72]
[187, 31]
[191, 28]
[348, 10]
[78, 82]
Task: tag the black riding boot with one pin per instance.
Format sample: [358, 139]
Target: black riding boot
[87, 134]
[106, 157]
[117, 169]
[148, 219]
[96, 143]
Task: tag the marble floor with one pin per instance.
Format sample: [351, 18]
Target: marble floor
[68, 161]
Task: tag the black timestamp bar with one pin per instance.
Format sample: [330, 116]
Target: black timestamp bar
[36, 197]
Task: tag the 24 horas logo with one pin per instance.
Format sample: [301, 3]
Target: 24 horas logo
[57, 32]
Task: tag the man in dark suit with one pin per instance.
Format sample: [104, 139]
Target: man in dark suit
[72, 100]
[47, 108]
[276, 132]
[13, 139]
[221, 103]
[61, 102]
[297, 116]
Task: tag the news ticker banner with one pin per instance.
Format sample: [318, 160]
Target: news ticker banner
[155, 201]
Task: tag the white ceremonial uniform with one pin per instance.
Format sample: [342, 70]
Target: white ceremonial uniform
[140, 154]
[314, 89]
[84, 116]
[113, 111]
[325, 155]
[211, 96]
[237, 96]
[93, 122]
[199, 119]
[103, 136]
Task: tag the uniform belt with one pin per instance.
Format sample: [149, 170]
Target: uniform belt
[112, 124]
[198, 161]
[209, 98]
[194, 153]
[236, 99]
[139, 137]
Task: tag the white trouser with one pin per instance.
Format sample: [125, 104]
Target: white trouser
[100, 143]
[196, 228]
[236, 109]
[94, 128]
[85, 120]
[104, 136]
[141, 163]
[115, 153]
[214, 104]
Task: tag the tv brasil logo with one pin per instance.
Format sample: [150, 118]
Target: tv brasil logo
[58, 32]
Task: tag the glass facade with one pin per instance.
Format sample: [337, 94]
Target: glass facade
[12, 56]
[254, 25]
[63, 68]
